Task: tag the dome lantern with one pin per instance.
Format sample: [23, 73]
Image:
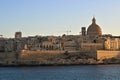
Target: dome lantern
[94, 20]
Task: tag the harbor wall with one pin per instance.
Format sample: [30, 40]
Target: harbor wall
[104, 54]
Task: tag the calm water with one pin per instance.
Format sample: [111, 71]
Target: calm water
[93, 72]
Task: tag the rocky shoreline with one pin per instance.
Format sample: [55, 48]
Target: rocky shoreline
[75, 63]
[57, 65]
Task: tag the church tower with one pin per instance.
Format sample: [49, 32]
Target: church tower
[18, 35]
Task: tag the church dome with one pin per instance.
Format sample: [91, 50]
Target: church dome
[94, 30]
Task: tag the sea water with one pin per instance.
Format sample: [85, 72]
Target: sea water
[81, 72]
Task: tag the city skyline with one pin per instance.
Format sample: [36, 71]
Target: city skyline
[55, 17]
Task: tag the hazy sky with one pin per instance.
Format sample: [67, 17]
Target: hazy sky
[55, 17]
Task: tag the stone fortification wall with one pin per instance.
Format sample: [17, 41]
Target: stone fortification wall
[27, 57]
[89, 54]
[102, 54]
[43, 57]
[7, 58]
[57, 57]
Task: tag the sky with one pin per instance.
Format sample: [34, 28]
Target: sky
[56, 17]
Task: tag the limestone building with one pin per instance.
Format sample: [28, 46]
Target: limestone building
[112, 44]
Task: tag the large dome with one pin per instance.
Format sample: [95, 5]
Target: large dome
[94, 30]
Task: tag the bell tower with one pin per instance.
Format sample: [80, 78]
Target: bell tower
[18, 34]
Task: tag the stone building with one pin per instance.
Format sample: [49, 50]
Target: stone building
[92, 46]
[9, 45]
[112, 44]
[14, 45]
[69, 45]
[2, 43]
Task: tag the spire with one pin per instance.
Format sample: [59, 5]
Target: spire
[94, 20]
